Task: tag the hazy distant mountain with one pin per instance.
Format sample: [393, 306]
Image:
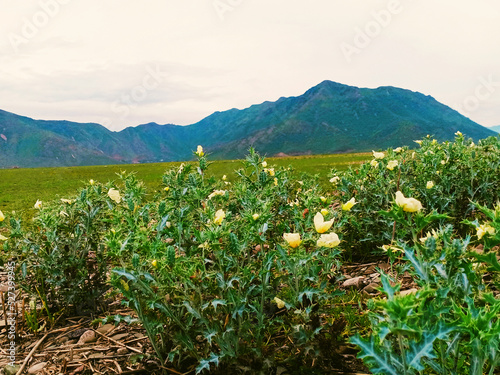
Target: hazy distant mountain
[495, 128]
[328, 118]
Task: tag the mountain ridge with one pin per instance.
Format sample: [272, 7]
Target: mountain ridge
[328, 118]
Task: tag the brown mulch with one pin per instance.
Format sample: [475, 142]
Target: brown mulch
[83, 345]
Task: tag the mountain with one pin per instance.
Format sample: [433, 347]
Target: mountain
[495, 128]
[328, 118]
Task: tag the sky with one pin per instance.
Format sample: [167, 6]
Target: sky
[123, 63]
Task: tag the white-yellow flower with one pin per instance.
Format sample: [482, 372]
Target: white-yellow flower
[255, 216]
[349, 204]
[219, 217]
[398, 150]
[38, 204]
[485, 229]
[224, 178]
[199, 151]
[264, 164]
[335, 179]
[324, 212]
[443, 162]
[458, 134]
[217, 193]
[430, 184]
[91, 182]
[280, 303]
[378, 155]
[322, 199]
[328, 240]
[3, 238]
[114, 194]
[293, 239]
[320, 224]
[418, 142]
[2, 216]
[374, 163]
[68, 201]
[392, 164]
[408, 204]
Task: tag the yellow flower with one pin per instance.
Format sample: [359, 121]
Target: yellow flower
[91, 182]
[320, 224]
[279, 303]
[408, 204]
[458, 134]
[348, 205]
[255, 216]
[393, 248]
[3, 238]
[323, 199]
[224, 178]
[38, 204]
[397, 150]
[219, 217]
[264, 164]
[166, 188]
[270, 171]
[485, 229]
[154, 263]
[2, 216]
[324, 212]
[430, 184]
[124, 285]
[374, 163]
[199, 151]
[275, 181]
[328, 240]
[419, 142]
[114, 194]
[392, 164]
[378, 155]
[293, 239]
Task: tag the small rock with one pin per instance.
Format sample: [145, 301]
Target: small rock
[63, 339]
[408, 291]
[122, 351]
[87, 336]
[119, 336]
[37, 368]
[371, 288]
[105, 328]
[11, 370]
[355, 282]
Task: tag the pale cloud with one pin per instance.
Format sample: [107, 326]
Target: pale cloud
[95, 61]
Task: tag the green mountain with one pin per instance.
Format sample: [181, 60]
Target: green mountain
[328, 118]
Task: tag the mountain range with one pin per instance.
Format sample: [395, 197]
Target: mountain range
[328, 118]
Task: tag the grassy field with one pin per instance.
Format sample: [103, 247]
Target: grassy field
[21, 188]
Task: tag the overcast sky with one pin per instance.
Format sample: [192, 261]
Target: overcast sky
[123, 63]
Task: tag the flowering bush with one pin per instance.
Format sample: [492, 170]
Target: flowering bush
[442, 177]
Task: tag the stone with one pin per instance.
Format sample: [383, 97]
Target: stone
[355, 282]
[87, 336]
[37, 368]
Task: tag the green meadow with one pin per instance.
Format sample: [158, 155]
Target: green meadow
[21, 188]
